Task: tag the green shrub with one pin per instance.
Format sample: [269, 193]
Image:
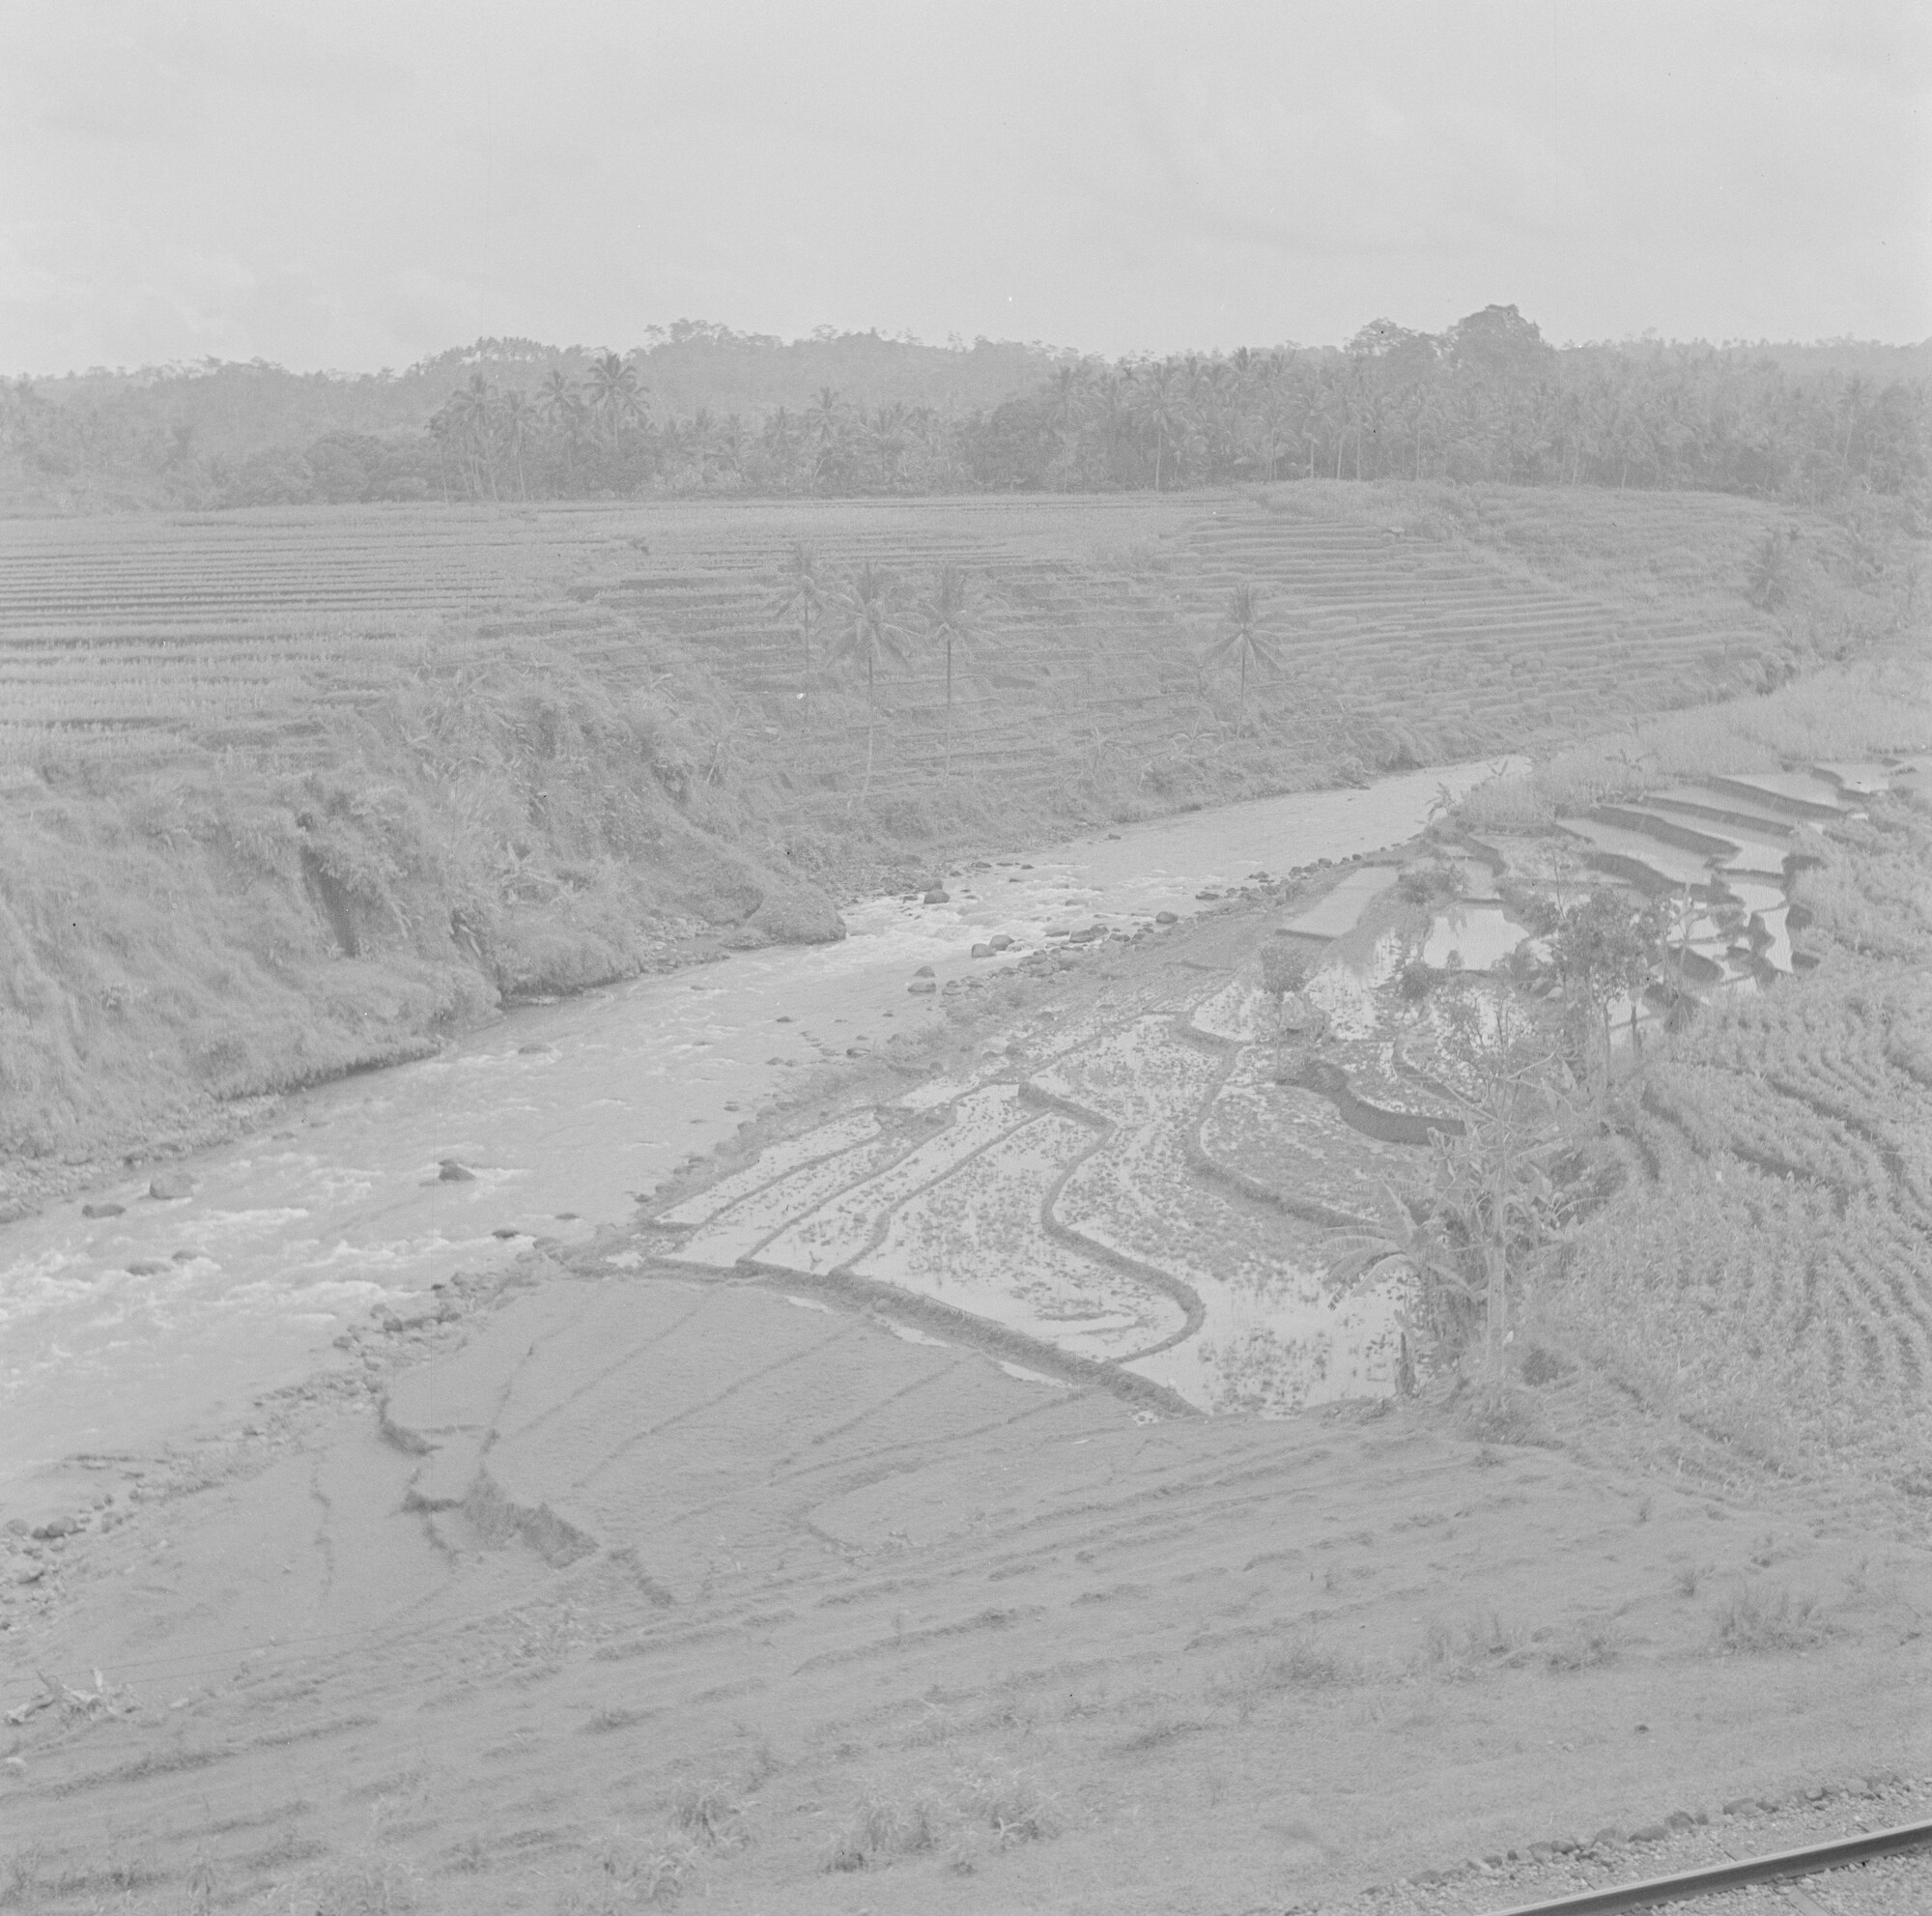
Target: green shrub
[1755, 1622]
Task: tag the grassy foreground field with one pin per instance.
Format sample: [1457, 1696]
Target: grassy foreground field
[285, 793]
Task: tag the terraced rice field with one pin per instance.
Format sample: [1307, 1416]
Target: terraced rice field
[1093, 1197]
[1146, 1185]
[147, 637]
[1102, 607]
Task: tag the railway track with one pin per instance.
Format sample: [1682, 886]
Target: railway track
[1779, 1867]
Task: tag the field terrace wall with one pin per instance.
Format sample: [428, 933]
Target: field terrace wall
[1406, 632]
[1399, 640]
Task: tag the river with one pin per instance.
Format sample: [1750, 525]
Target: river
[565, 1113]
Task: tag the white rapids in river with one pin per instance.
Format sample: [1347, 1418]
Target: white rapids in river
[117, 1332]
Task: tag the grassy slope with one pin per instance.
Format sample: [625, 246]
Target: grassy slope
[620, 761]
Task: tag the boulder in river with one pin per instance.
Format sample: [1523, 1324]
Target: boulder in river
[171, 1184]
[982, 950]
[101, 1210]
[921, 987]
[797, 914]
[451, 1172]
[1167, 918]
[936, 897]
[1000, 942]
[145, 1267]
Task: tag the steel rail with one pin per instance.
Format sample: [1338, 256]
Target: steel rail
[1812, 1860]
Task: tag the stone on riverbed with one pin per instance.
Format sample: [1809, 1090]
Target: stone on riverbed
[170, 1184]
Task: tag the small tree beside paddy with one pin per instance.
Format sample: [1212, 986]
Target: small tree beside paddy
[1502, 1195]
[1602, 949]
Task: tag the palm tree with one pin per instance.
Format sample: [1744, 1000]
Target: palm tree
[1067, 408]
[886, 434]
[869, 632]
[561, 407]
[824, 417]
[517, 425]
[732, 442]
[615, 393]
[1243, 643]
[825, 422]
[1160, 397]
[801, 595]
[558, 399]
[952, 618]
[473, 413]
[701, 444]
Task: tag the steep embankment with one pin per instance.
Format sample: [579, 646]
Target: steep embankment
[203, 932]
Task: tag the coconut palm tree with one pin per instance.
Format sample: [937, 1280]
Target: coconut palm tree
[867, 632]
[472, 414]
[1244, 644]
[952, 618]
[615, 395]
[561, 406]
[516, 421]
[442, 427]
[801, 595]
[1161, 400]
[558, 400]
[887, 437]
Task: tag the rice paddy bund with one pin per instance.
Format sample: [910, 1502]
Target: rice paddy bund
[148, 640]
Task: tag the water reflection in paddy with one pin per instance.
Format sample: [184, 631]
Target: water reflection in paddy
[1471, 937]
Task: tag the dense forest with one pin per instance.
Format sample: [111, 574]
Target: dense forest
[701, 408]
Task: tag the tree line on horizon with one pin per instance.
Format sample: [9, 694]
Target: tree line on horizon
[1486, 400]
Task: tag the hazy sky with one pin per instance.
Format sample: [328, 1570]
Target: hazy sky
[357, 183]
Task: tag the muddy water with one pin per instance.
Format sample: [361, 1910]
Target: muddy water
[117, 1332]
